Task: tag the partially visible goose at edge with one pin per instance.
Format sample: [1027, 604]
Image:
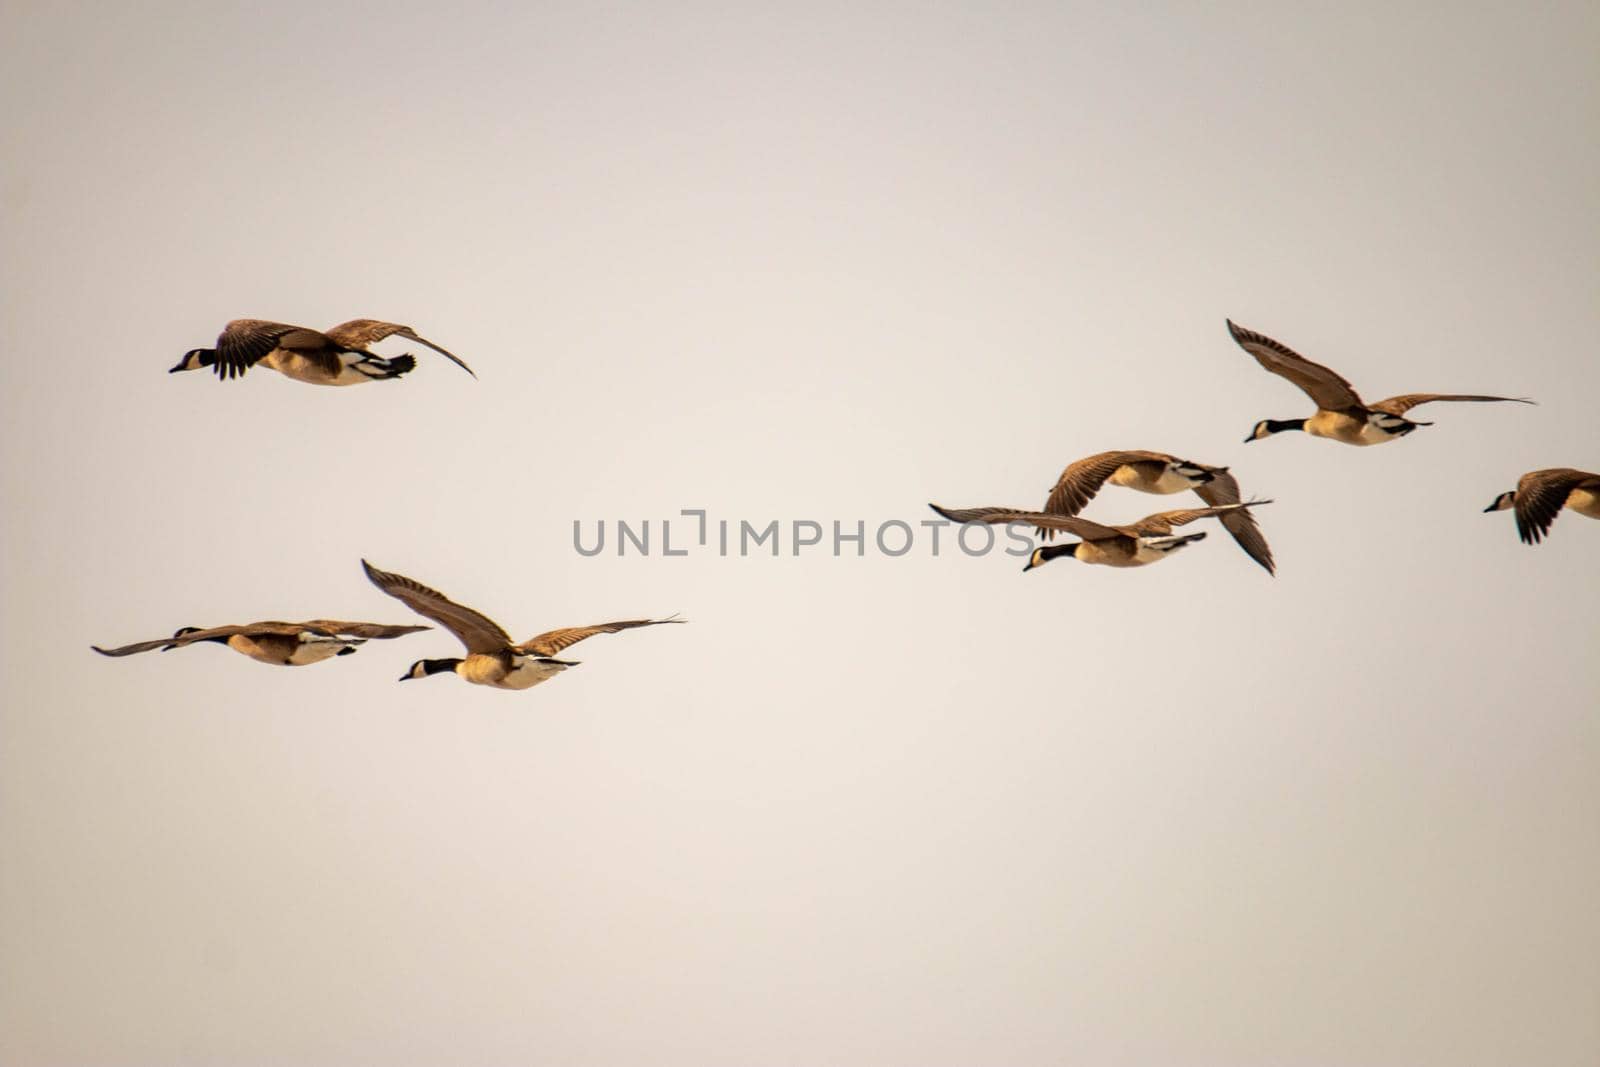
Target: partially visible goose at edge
[1162, 473]
[282, 644]
[491, 659]
[1341, 415]
[1540, 496]
[1147, 541]
[336, 357]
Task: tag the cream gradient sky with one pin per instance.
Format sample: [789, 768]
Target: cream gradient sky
[812, 261]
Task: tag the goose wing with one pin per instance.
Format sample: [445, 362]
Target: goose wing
[478, 632]
[553, 641]
[1162, 522]
[366, 631]
[1328, 390]
[1089, 531]
[359, 333]
[1223, 489]
[1083, 478]
[1542, 494]
[172, 642]
[1399, 405]
[243, 343]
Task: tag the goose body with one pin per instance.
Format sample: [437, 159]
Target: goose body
[511, 671]
[1138, 544]
[492, 658]
[1169, 479]
[351, 368]
[337, 356]
[281, 644]
[1341, 414]
[300, 650]
[1119, 551]
[1375, 428]
[1541, 496]
[1163, 474]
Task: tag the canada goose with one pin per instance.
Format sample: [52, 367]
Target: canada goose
[337, 357]
[491, 657]
[1340, 416]
[1540, 496]
[1147, 541]
[282, 644]
[1157, 472]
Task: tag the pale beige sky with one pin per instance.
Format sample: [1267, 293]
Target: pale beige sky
[812, 262]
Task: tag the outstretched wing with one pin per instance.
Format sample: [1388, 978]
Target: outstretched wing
[1162, 522]
[1089, 531]
[359, 333]
[478, 632]
[137, 646]
[1542, 494]
[1328, 390]
[1223, 489]
[367, 631]
[173, 642]
[243, 343]
[553, 641]
[1083, 478]
[1399, 405]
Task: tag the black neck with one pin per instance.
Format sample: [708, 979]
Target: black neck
[1050, 552]
[439, 666]
[1280, 425]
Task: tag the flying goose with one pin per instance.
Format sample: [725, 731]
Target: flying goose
[282, 644]
[1157, 472]
[1340, 416]
[491, 657]
[1147, 541]
[336, 357]
[1540, 496]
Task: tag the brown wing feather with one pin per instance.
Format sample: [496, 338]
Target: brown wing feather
[359, 333]
[1162, 522]
[1540, 497]
[1222, 489]
[1089, 531]
[1399, 405]
[1328, 390]
[176, 642]
[478, 632]
[138, 646]
[367, 631]
[553, 641]
[243, 343]
[1083, 478]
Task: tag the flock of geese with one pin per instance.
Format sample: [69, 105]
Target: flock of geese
[341, 356]
[1341, 416]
